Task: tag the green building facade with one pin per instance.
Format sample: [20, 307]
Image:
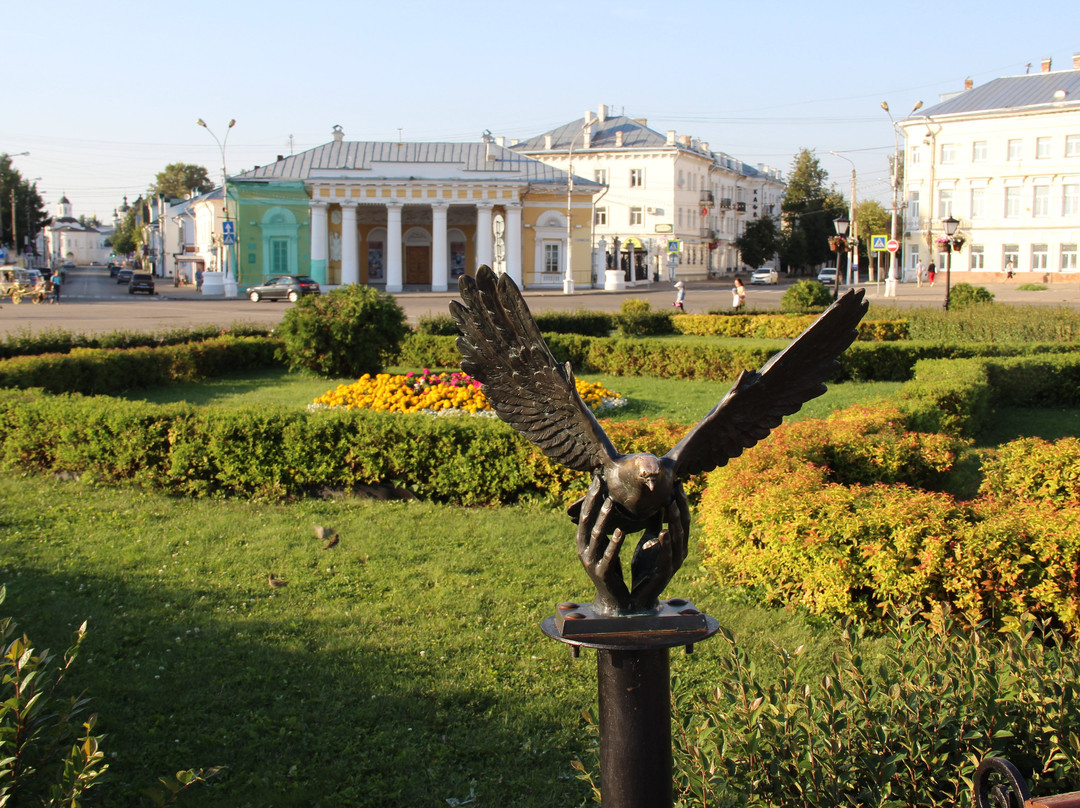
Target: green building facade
[273, 232]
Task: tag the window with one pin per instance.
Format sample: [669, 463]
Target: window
[1012, 202]
[976, 261]
[637, 177]
[682, 179]
[944, 203]
[1015, 149]
[1039, 256]
[978, 151]
[948, 153]
[978, 203]
[1010, 256]
[552, 258]
[913, 206]
[1072, 145]
[915, 155]
[1068, 257]
[1041, 203]
[600, 175]
[1042, 148]
[913, 255]
[279, 256]
[1070, 200]
[635, 217]
[680, 217]
[600, 217]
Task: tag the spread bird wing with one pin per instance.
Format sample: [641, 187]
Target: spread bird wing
[501, 347]
[758, 401]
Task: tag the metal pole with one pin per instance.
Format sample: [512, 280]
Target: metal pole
[634, 696]
[948, 273]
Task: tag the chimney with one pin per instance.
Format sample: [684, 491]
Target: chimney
[338, 133]
[968, 84]
[685, 140]
[642, 121]
[1046, 64]
[547, 142]
[705, 146]
[601, 114]
[586, 138]
[618, 139]
[1076, 61]
[500, 141]
[280, 157]
[670, 137]
[588, 116]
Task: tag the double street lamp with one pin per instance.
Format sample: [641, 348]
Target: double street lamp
[230, 283]
[839, 243]
[950, 225]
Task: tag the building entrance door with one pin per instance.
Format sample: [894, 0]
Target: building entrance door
[418, 265]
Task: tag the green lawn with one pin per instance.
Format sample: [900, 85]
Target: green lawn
[403, 667]
[680, 400]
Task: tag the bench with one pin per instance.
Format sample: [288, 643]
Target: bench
[1013, 793]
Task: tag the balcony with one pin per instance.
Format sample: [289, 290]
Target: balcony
[707, 199]
[741, 206]
[726, 204]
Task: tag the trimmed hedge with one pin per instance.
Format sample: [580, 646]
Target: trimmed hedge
[93, 371]
[778, 326]
[60, 341]
[841, 524]
[675, 358]
[276, 453]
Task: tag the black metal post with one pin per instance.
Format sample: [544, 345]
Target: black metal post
[948, 272]
[634, 694]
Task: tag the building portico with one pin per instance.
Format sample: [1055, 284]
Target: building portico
[403, 216]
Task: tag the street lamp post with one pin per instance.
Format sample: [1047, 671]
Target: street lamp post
[230, 282]
[853, 258]
[14, 232]
[950, 226]
[890, 282]
[841, 224]
[568, 279]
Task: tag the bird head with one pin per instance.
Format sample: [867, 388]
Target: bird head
[648, 469]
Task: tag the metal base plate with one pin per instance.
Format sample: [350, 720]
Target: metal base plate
[675, 622]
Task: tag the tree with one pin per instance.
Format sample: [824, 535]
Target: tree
[759, 241]
[809, 208]
[181, 179]
[125, 239]
[30, 215]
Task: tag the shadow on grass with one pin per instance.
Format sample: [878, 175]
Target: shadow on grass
[301, 714]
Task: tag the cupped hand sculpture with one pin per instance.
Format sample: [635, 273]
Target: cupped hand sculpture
[502, 348]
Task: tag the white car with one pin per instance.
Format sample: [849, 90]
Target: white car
[765, 275]
[827, 276]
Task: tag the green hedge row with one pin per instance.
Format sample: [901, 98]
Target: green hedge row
[778, 326]
[27, 343]
[277, 453]
[798, 519]
[958, 396]
[722, 361]
[94, 371]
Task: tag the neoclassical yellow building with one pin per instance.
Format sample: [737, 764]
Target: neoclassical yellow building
[412, 216]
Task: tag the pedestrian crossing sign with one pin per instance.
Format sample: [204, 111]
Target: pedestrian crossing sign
[877, 243]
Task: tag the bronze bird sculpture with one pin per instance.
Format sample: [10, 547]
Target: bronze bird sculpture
[501, 347]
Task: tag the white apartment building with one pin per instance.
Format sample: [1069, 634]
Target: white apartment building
[661, 191]
[68, 239]
[1004, 160]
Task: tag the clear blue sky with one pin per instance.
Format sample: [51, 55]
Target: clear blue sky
[104, 95]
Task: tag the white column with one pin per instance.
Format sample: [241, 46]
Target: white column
[513, 243]
[485, 252]
[318, 241]
[440, 271]
[394, 269]
[350, 247]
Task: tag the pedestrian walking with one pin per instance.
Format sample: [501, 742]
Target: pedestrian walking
[198, 280]
[55, 289]
[738, 295]
[680, 298]
[931, 273]
[918, 273]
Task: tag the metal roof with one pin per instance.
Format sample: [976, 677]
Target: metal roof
[1012, 93]
[379, 160]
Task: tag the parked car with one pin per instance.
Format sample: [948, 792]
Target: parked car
[113, 269]
[141, 282]
[68, 265]
[284, 287]
[765, 275]
[124, 275]
[827, 276]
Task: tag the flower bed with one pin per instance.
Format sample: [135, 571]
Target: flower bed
[437, 393]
